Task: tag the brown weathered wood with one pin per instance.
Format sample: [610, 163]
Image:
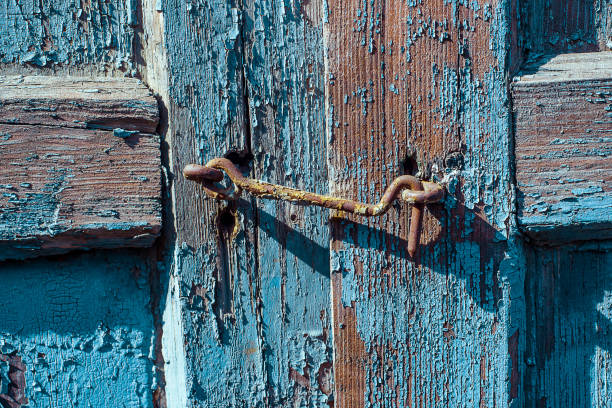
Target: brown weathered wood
[563, 146]
[373, 86]
[105, 103]
[565, 26]
[419, 87]
[76, 170]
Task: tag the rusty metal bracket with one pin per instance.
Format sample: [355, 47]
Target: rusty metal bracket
[408, 188]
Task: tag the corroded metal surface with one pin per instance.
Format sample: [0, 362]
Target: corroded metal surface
[408, 188]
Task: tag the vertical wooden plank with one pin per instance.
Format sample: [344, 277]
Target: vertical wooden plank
[222, 356]
[284, 70]
[169, 358]
[423, 85]
[376, 125]
[252, 289]
[568, 305]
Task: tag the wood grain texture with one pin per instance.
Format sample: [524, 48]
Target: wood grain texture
[284, 68]
[420, 87]
[219, 354]
[77, 173]
[569, 306]
[565, 26]
[68, 33]
[563, 148]
[78, 102]
[251, 284]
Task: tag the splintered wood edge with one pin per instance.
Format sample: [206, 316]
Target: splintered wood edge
[566, 68]
[61, 109]
[582, 82]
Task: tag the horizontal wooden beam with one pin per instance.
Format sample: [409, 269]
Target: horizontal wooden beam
[100, 103]
[80, 165]
[563, 147]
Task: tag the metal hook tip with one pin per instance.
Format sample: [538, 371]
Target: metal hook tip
[197, 172]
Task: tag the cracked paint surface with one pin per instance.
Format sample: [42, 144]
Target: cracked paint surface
[254, 304]
[44, 34]
[82, 326]
[247, 318]
[438, 329]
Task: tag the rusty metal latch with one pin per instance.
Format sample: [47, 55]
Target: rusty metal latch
[409, 188]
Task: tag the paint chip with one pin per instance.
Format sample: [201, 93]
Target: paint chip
[124, 134]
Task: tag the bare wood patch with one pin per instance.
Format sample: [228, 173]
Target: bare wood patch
[417, 87]
[80, 167]
[100, 103]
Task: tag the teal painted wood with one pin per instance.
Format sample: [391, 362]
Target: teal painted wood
[60, 33]
[254, 300]
[567, 356]
[450, 330]
[284, 67]
[569, 309]
[217, 331]
[83, 327]
[565, 26]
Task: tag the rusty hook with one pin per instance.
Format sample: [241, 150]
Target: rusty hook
[409, 188]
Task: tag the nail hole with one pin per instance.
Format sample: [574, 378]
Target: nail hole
[454, 161]
[409, 165]
[242, 158]
[226, 221]
[293, 217]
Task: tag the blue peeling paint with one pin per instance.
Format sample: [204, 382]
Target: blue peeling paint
[256, 309]
[69, 32]
[124, 134]
[450, 330]
[35, 213]
[83, 327]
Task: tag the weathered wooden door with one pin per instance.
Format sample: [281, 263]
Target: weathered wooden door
[261, 303]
